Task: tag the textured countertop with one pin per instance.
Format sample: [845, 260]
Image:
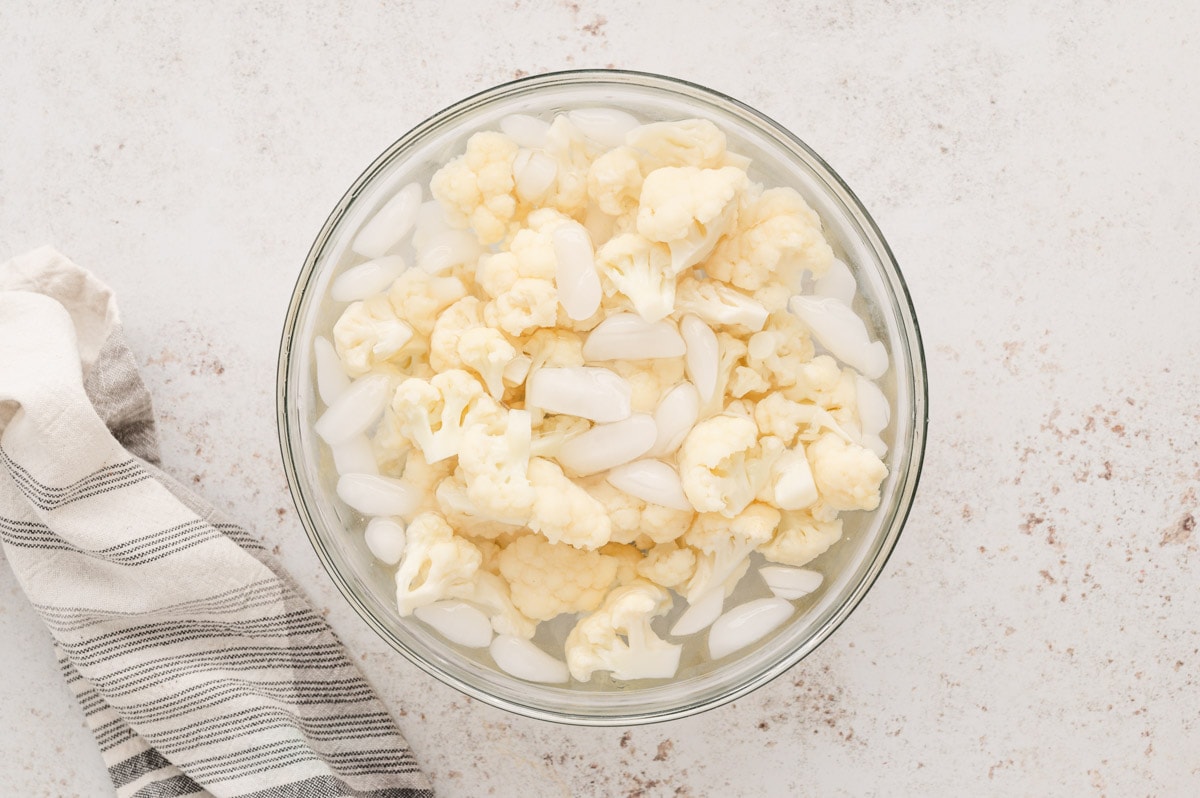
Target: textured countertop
[1035, 167]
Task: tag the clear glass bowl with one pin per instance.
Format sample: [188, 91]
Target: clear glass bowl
[850, 567]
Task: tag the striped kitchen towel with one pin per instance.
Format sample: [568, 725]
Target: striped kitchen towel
[200, 667]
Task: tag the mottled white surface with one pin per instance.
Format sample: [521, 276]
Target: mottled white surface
[1036, 168]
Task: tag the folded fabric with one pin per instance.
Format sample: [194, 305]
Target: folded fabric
[200, 667]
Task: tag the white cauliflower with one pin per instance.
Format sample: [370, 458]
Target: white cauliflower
[668, 564]
[460, 340]
[639, 270]
[649, 379]
[745, 381]
[822, 382]
[628, 558]
[719, 305]
[848, 476]
[615, 182]
[437, 564]
[529, 254]
[492, 594]
[368, 334]
[419, 297]
[547, 579]
[462, 514]
[553, 348]
[689, 209]
[801, 538]
[573, 153]
[632, 518]
[529, 304]
[723, 464]
[722, 547]
[563, 511]
[618, 637]
[779, 236]
[477, 188]
[780, 350]
[432, 413]
[424, 477]
[690, 142]
[495, 465]
[794, 421]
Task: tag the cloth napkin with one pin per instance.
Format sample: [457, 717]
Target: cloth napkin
[201, 668]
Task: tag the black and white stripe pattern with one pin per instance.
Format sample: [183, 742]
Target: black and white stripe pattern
[201, 671]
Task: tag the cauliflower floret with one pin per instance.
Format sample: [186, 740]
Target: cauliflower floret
[573, 153]
[627, 557]
[794, 421]
[633, 518]
[462, 514]
[554, 431]
[547, 579]
[554, 348]
[459, 340]
[491, 593]
[530, 254]
[820, 381]
[780, 350]
[723, 464]
[477, 188]
[419, 297]
[529, 304]
[615, 182]
[563, 511]
[801, 538]
[779, 237]
[437, 564]
[719, 305]
[495, 464]
[368, 334]
[433, 413]
[424, 478]
[618, 637]
[639, 270]
[650, 379]
[690, 142]
[668, 564]
[848, 476]
[746, 380]
[722, 547]
[689, 209]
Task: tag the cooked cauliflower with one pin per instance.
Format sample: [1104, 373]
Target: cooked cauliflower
[848, 476]
[424, 478]
[547, 579]
[573, 154]
[437, 564]
[794, 421]
[555, 430]
[418, 297]
[615, 182]
[668, 564]
[565, 512]
[689, 209]
[553, 348]
[633, 519]
[492, 593]
[628, 558]
[722, 547]
[719, 305]
[529, 304]
[495, 464]
[462, 514]
[723, 464]
[477, 188]
[639, 270]
[529, 254]
[650, 379]
[691, 142]
[618, 637]
[368, 334]
[778, 237]
[780, 350]
[801, 538]
[432, 413]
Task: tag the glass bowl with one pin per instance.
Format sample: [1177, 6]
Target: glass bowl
[850, 567]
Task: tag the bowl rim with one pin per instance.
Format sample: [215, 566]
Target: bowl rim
[910, 332]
